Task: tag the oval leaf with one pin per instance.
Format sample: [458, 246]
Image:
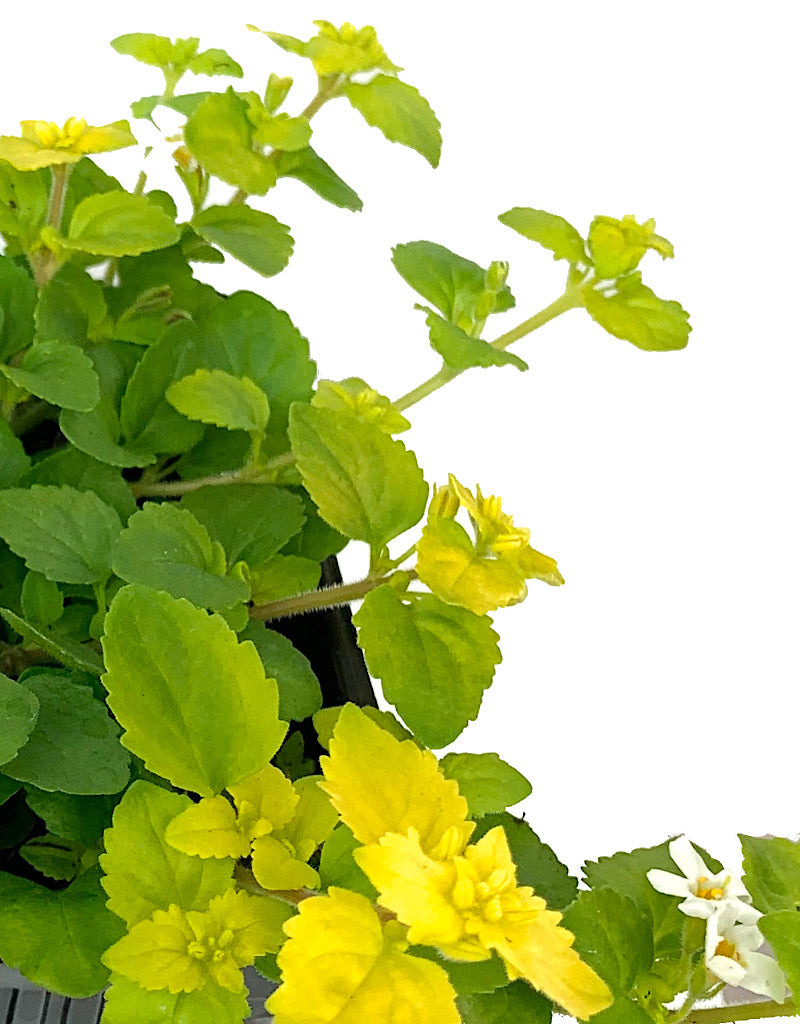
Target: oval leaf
[217, 397]
[60, 374]
[120, 224]
[255, 238]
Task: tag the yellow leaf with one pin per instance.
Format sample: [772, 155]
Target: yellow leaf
[379, 784]
[208, 829]
[276, 867]
[264, 801]
[43, 144]
[341, 967]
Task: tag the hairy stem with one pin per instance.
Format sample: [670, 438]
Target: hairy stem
[569, 300]
[327, 597]
[740, 1011]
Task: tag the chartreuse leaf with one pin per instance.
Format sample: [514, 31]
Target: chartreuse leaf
[772, 872]
[400, 112]
[65, 534]
[549, 230]
[617, 246]
[120, 224]
[73, 655]
[379, 784]
[13, 459]
[42, 601]
[537, 864]
[251, 521]
[299, 692]
[221, 138]
[73, 746]
[19, 708]
[460, 351]
[633, 312]
[452, 283]
[142, 872]
[341, 967]
[253, 237]
[217, 397]
[365, 484]
[176, 56]
[166, 548]
[17, 302]
[325, 723]
[353, 395]
[308, 167]
[194, 703]
[512, 1004]
[781, 929]
[60, 374]
[486, 782]
[612, 935]
[128, 1003]
[451, 648]
[56, 938]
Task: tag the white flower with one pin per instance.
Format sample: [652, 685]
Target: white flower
[705, 894]
[731, 955]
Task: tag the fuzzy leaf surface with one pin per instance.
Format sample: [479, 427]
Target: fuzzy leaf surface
[434, 660]
[195, 704]
[365, 484]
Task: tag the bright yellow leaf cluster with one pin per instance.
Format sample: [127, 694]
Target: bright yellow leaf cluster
[183, 950]
[43, 143]
[459, 897]
[278, 823]
[347, 50]
[485, 573]
[617, 246]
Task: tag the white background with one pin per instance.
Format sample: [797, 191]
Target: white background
[657, 691]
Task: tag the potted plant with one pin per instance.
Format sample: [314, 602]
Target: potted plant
[195, 777]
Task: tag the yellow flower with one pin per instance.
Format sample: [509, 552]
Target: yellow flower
[617, 246]
[183, 950]
[470, 904]
[347, 50]
[43, 143]
[485, 573]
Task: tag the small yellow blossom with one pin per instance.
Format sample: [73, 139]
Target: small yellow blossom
[347, 50]
[617, 246]
[43, 143]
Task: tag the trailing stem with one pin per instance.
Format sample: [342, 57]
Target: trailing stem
[327, 597]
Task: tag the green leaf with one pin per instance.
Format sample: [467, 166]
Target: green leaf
[65, 534]
[453, 650]
[453, 284]
[772, 872]
[13, 459]
[299, 692]
[19, 709]
[486, 782]
[143, 872]
[157, 51]
[42, 601]
[195, 703]
[166, 548]
[220, 137]
[549, 230]
[69, 466]
[365, 484]
[72, 308]
[282, 576]
[537, 864]
[400, 112]
[54, 857]
[73, 655]
[623, 1011]
[56, 938]
[308, 167]
[17, 302]
[215, 62]
[23, 204]
[468, 978]
[8, 787]
[81, 819]
[460, 351]
[633, 312]
[513, 1004]
[215, 396]
[120, 224]
[60, 374]
[612, 935]
[97, 435]
[253, 237]
[252, 522]
[781, 929]
[249, 337]
[129, 1003]
[74, 745]
[338, 867]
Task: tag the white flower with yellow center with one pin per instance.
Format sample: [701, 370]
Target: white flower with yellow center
[705, 893]
[731, 954]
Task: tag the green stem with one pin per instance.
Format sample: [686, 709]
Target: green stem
[741, 1011]
[327, 597]
[571, 299]
[45, 264]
